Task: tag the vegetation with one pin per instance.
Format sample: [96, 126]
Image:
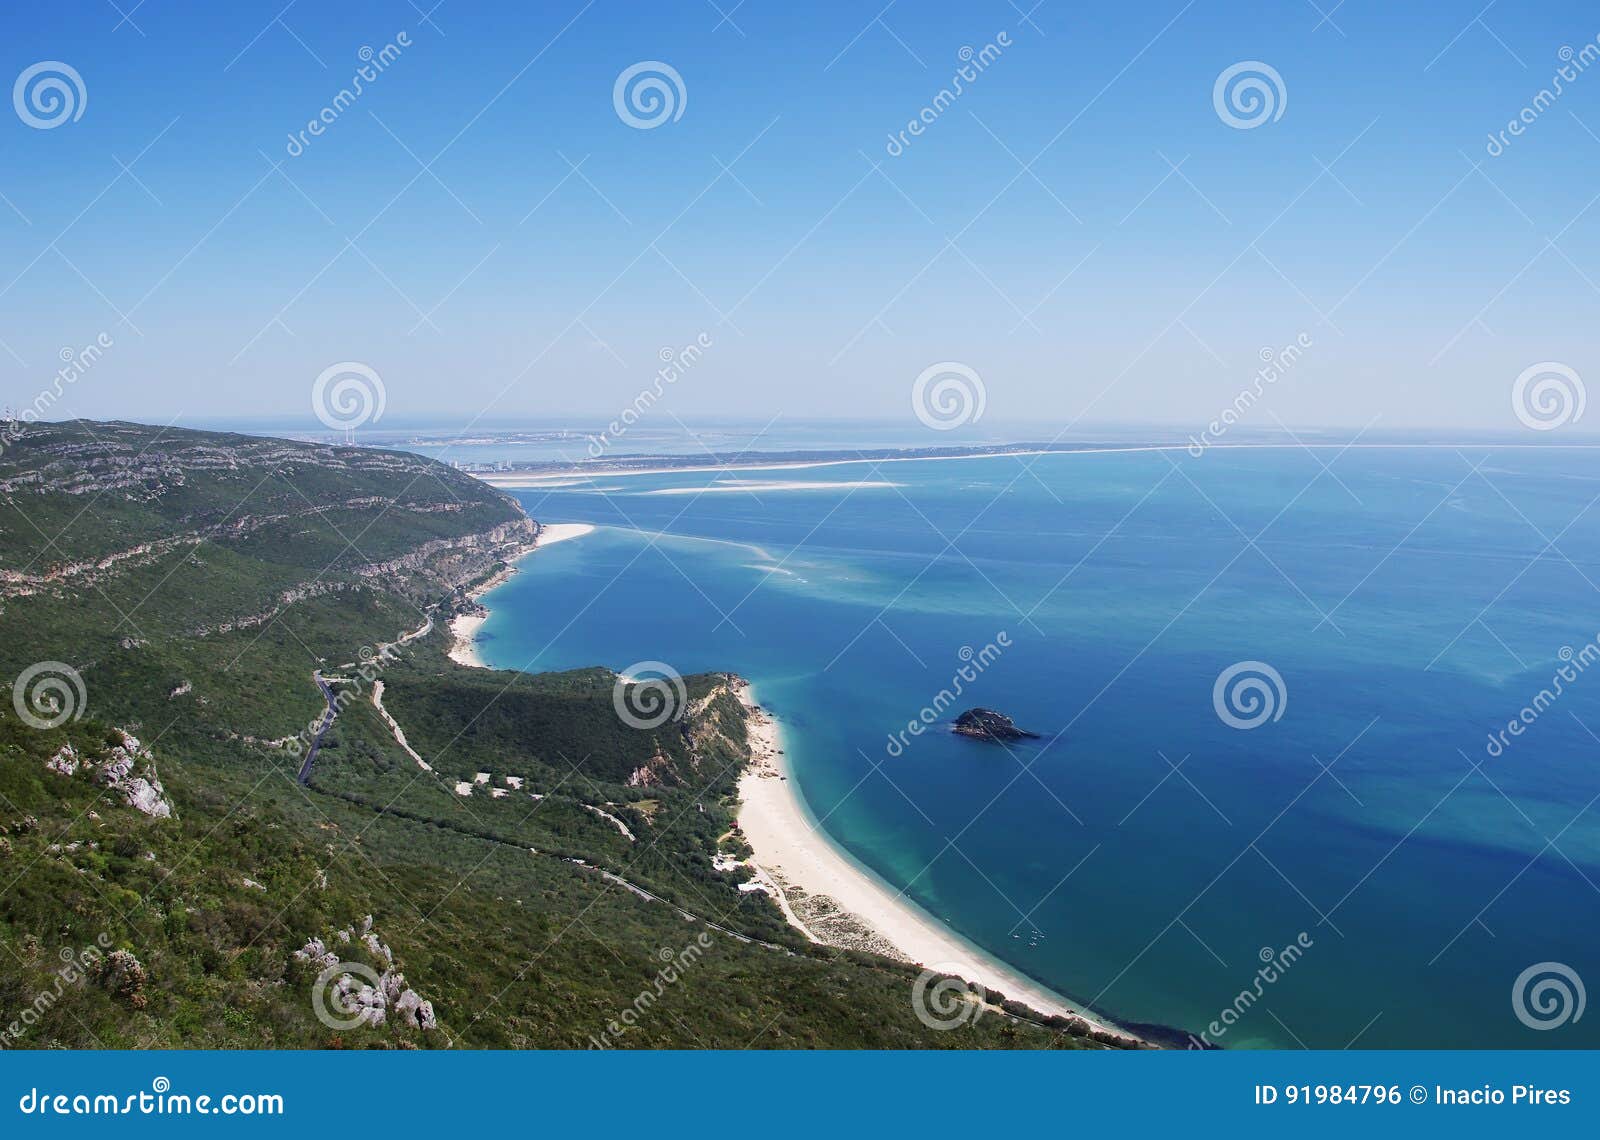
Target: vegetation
[196, 582]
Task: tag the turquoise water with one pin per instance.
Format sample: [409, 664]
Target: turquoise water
[1144, 854]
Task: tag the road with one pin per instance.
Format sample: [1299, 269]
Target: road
[322, 729]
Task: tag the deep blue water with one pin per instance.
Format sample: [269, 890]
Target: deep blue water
[1143, 853]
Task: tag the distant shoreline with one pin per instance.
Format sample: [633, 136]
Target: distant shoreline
[796, 461]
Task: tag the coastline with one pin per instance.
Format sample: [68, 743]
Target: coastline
[464, 627]
[832, 899]
[823, 892]
[575, 475]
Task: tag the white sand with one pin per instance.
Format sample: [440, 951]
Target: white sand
[789, 847]
[464, 627]
[757, 486]
[551, 533]
[541, 478]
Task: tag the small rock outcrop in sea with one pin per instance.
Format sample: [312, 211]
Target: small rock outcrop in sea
[986, 724]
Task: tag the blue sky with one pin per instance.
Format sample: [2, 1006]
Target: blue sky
[1080, 227]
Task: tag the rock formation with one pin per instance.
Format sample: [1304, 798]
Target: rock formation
[986, 724]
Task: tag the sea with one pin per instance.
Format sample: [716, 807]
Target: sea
[1318, 744]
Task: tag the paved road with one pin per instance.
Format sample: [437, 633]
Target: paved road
[322, 729]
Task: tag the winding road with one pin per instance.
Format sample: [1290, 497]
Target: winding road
[331, 712]
[322, 729]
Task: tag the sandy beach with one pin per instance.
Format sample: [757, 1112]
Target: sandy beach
[577, 474]
[832, 899]
[464, 627]
[570, 476]
[756, 486]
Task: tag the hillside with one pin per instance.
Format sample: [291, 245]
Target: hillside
[524, 870]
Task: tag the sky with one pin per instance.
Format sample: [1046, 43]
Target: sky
[1081, 228]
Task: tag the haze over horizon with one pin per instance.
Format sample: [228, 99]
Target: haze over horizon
[1081, 226]
[739, 527]
[886, 431]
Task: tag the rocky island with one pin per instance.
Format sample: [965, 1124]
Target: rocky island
[986, 724]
